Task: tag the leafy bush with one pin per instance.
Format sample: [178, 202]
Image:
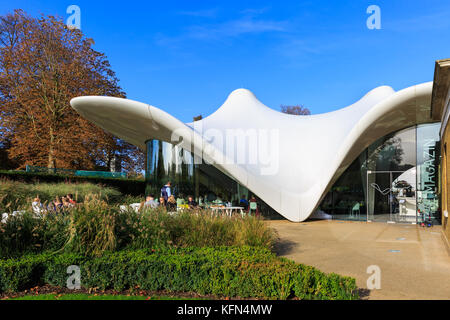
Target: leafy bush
[134, 187]
[25, 233]
[94, 227]
[223, 271]
[91, 228]
[17, 195]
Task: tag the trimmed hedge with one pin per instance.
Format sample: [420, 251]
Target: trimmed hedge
[134, 187]
[224, 271]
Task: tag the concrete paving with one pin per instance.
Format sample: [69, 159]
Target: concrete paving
[414, 261]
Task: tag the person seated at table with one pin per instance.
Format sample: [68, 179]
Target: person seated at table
[69, 198]
[149, 202]
[218, 200]
[56, 205]
[66, 203]
[243, 202]
[37, 206]
[171, 204]
[191, 203]
[255, 205]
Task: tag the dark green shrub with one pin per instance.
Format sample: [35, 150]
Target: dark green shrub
[223, 271]
[23, 273]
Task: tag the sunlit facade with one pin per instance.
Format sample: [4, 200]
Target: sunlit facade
[395, 179]
[375, 160]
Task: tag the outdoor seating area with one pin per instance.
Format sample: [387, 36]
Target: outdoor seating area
[59, 205]
[181, 204]
[172, 204]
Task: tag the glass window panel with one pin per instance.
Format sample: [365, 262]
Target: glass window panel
[428, 157]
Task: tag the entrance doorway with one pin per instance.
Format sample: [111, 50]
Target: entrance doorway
[391, 196]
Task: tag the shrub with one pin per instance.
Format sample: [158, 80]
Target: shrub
[93, 227]
[201, 229]
[223, 271]
[25, 233]
[18, 195]
[134, 187]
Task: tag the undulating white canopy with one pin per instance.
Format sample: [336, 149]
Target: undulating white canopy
[288, 161]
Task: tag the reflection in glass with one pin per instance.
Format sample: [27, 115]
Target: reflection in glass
[428, 155]
[394, 179]
[207, 184]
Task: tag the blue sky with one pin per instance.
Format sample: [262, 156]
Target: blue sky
[187, 56]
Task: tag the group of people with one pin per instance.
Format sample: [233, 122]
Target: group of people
[168, 201]
[58, 205]
[170, 204]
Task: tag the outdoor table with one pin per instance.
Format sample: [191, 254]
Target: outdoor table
[228, 210]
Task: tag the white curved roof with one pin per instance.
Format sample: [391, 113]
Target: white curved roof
[308, 153]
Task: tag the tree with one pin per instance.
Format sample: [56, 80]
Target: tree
[297, 110]
[44, 64]
[5, 162]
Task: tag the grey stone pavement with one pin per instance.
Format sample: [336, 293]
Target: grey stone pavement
[414, 261]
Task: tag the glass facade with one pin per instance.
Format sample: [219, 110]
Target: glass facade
[394, 179]
[207, 184]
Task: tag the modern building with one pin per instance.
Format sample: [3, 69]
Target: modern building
[377, 159]
[440, 108]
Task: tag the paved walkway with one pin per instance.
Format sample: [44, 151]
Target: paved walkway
[414, 261]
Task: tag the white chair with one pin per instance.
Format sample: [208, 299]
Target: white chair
[37, 208]
[135, 206]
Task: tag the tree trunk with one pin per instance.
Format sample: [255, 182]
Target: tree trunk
[51, 151]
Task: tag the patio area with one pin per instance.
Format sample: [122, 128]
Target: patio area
[414, 261]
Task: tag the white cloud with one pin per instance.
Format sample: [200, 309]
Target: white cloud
[235, 28]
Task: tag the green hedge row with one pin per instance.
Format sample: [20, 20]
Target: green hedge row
[225, 271]
[134, 187]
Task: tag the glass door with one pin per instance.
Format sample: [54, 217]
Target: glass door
[391, 196]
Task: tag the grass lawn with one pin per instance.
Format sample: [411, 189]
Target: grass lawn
[84, 296]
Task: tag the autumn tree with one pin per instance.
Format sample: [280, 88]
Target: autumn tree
[43, 65]
[296, 110]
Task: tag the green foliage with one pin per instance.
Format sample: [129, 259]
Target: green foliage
[200, 229]
[94, 227]
[224, 271]
[132, 187]
[84, 296]
[18, 195]
[91, 228]
[25, 233]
